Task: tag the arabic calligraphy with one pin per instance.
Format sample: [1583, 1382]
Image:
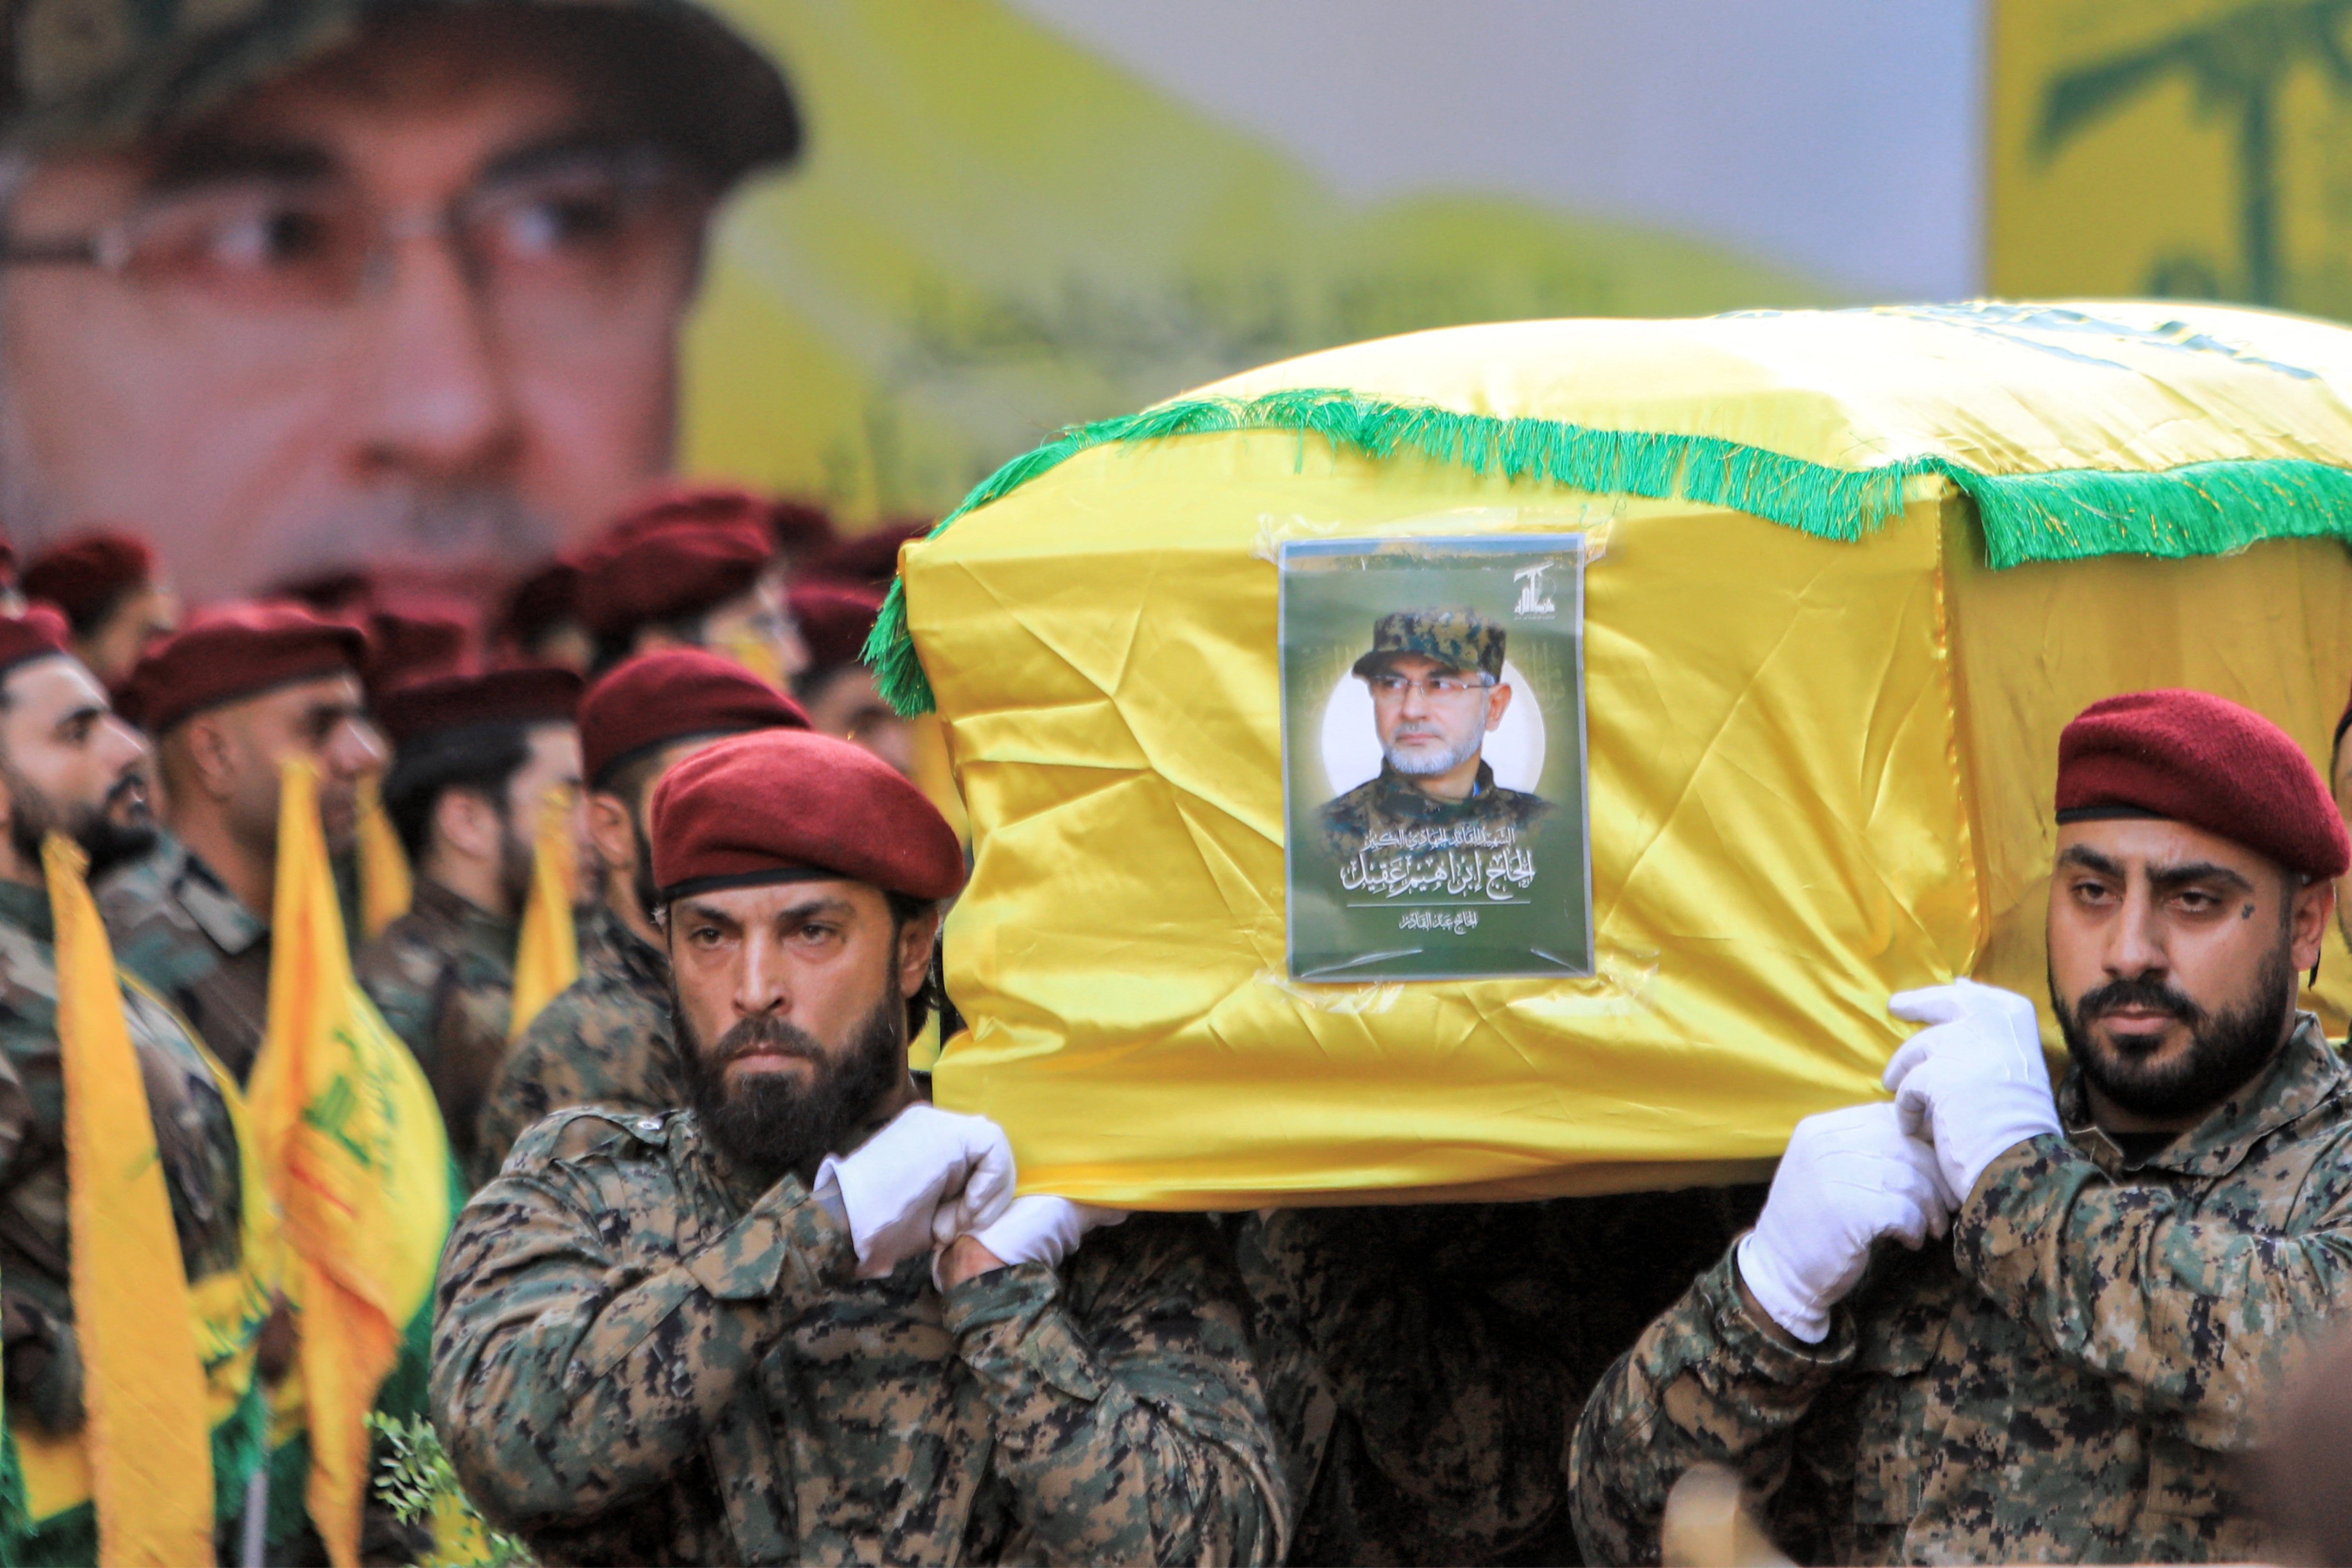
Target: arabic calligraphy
[1459, 873]
[1454, 920]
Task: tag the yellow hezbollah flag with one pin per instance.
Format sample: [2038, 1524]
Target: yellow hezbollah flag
[547, 950]
[385, 888]
[358, 1159]
[147, 1438]
[1860, 568]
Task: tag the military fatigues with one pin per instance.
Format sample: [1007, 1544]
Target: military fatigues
[1389, 816]
[176, 926]
[1424, 1364]
[604, 1041]
[2071, 1378]
[193, 1136]
[443, 977]
[638, 1360]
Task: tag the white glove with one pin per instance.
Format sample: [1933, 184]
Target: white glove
[1975, 1084]
[924, 1179]
[1850, 1178]
[1037, 1230]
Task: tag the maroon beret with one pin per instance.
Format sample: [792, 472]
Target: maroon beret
[659, 699]
[681, 553]
[801, 528]
[2193, 757]
[871, 558]
[85, 576]
[331, 592]
[784, 805]
[235, 652]
[539, 602]
[38, 633]
[530, 694]
[835, 619]
[418, 643]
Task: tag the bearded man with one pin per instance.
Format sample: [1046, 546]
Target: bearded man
[2132, 1267]
[605, 1040]
[805, 1321]
[475, 759]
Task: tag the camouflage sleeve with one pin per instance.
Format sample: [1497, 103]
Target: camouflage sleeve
[1705, 1382]
[564, 1379]
[403, 979]
[2192, 1322]
[1129, 1426]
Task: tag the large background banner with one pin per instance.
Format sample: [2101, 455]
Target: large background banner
[2197, 149]
[997, 231]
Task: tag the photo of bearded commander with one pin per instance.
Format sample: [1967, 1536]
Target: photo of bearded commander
[1437, 680]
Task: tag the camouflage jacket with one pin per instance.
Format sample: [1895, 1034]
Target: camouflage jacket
[443, 977]
[2068, 1380]
[1389, 814]
[1424, 1364]
[179, 929]
[604, 1041]
[194, 1135]
[635, 1359]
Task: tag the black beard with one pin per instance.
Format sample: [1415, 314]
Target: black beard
[2225, 1049]
[107, 842]
[768, 1123]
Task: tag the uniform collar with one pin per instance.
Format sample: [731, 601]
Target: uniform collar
[632, 953]
[2305, 1075]
[218, 913]
[1393, 783]
[473, 925]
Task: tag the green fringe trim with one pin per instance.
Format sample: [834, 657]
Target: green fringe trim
[2202, 508]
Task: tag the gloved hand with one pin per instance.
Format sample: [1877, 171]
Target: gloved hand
[1037, 1230]
[924, 1179]
[1850, 1178]
[1975, 1085]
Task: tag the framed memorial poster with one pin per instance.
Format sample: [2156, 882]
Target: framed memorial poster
[1432, 759]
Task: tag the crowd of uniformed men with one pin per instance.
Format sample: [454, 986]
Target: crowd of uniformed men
[285, 282]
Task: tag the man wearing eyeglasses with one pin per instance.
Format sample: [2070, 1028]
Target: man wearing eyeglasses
[284, 282]
[1436, 680]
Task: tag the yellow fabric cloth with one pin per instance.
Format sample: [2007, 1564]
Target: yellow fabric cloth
[147, 1440]
[547, 948]
[1820, 770]
[359, 1162]
[386, 888]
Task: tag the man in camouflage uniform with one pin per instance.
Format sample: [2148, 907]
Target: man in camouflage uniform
[805, 1321]
[477, 759]
[2133, 1268]
[228, 701]
[605, 1039]
[68, 765]
[1424, 1363]
[1437, 680]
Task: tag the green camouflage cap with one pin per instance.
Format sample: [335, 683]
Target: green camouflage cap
[103, 73]
[1459, 639]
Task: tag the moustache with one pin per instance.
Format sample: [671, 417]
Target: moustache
[764, 1037]
[2143, 994]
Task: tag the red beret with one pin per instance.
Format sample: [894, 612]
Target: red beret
[782, 806]
[539, 601]
[531, 695]
[38, 633]
[678, 554]
[407, 645]
[2193, 757]
[871, 558]
[331, 592]
[84, 576]
[238, 651]
[835, 620]
[659, 699]
[801, 528]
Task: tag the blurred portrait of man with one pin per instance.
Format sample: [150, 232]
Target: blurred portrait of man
[414, 276]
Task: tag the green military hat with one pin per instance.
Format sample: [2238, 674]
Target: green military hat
[1457, 638]
[101, 73]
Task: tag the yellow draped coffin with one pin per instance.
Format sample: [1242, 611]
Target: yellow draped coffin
[1857, 569]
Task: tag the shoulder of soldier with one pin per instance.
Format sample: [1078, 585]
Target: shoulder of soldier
[1156, 1256]
[1517, 804]
[402, 956]
[28, 977]
[593, 1133]
[1353, 807]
